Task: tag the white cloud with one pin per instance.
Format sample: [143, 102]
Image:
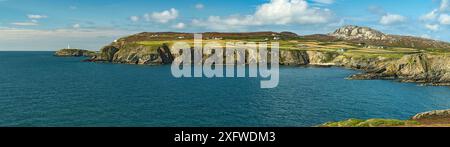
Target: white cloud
[275, 12]
[35, 16]
[444, 19]
[199, 6]
[32, 22]
[389, 19]
[25, 23]
[162, 17]
[290, 11]
[324, 1]
[432, 27]
[430, 16]
[438, 14]
[134, 18]
[76, 26]
[426, 36]
[179, 26]
[445, 6]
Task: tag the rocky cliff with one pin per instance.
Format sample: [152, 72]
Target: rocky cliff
[442, 116]
[140, 54]
[420, 68]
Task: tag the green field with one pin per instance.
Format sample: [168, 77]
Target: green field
[341, 47]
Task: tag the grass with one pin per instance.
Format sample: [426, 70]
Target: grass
[351, 50]
[154, 44]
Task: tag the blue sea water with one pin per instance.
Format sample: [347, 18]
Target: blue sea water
[37, 89]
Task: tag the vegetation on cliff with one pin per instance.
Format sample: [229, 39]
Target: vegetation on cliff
[438, 118]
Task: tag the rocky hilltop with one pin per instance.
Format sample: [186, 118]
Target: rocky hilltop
[403, 58]
[74, 53]
[358, 33]
[370, 37]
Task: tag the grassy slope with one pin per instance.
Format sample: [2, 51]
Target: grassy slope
[287, 42]
[351, 50]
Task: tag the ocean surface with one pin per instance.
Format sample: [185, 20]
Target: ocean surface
[37, 89]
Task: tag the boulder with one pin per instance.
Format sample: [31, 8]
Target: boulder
[442, 116]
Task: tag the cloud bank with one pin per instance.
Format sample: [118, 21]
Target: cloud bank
[275, 12]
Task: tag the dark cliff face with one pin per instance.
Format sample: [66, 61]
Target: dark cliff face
[106, 54]
[294, 58]
[165, 54]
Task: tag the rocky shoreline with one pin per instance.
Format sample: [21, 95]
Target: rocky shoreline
[437, 118]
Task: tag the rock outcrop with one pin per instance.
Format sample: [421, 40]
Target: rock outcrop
[437, 118]
[134, 54]
[419, 68]
[107, 53]
[433, 116]
[371, 38]
[74, 53]
[358, 33]
[293, 57]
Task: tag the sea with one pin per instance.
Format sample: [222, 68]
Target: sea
[38, 89]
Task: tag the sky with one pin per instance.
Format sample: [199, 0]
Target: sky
[47, 25]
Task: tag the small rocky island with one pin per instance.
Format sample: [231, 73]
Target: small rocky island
[74, 53]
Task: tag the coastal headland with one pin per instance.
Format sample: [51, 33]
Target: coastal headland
[376, 54]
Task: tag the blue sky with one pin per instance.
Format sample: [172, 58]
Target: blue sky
[90, 24]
